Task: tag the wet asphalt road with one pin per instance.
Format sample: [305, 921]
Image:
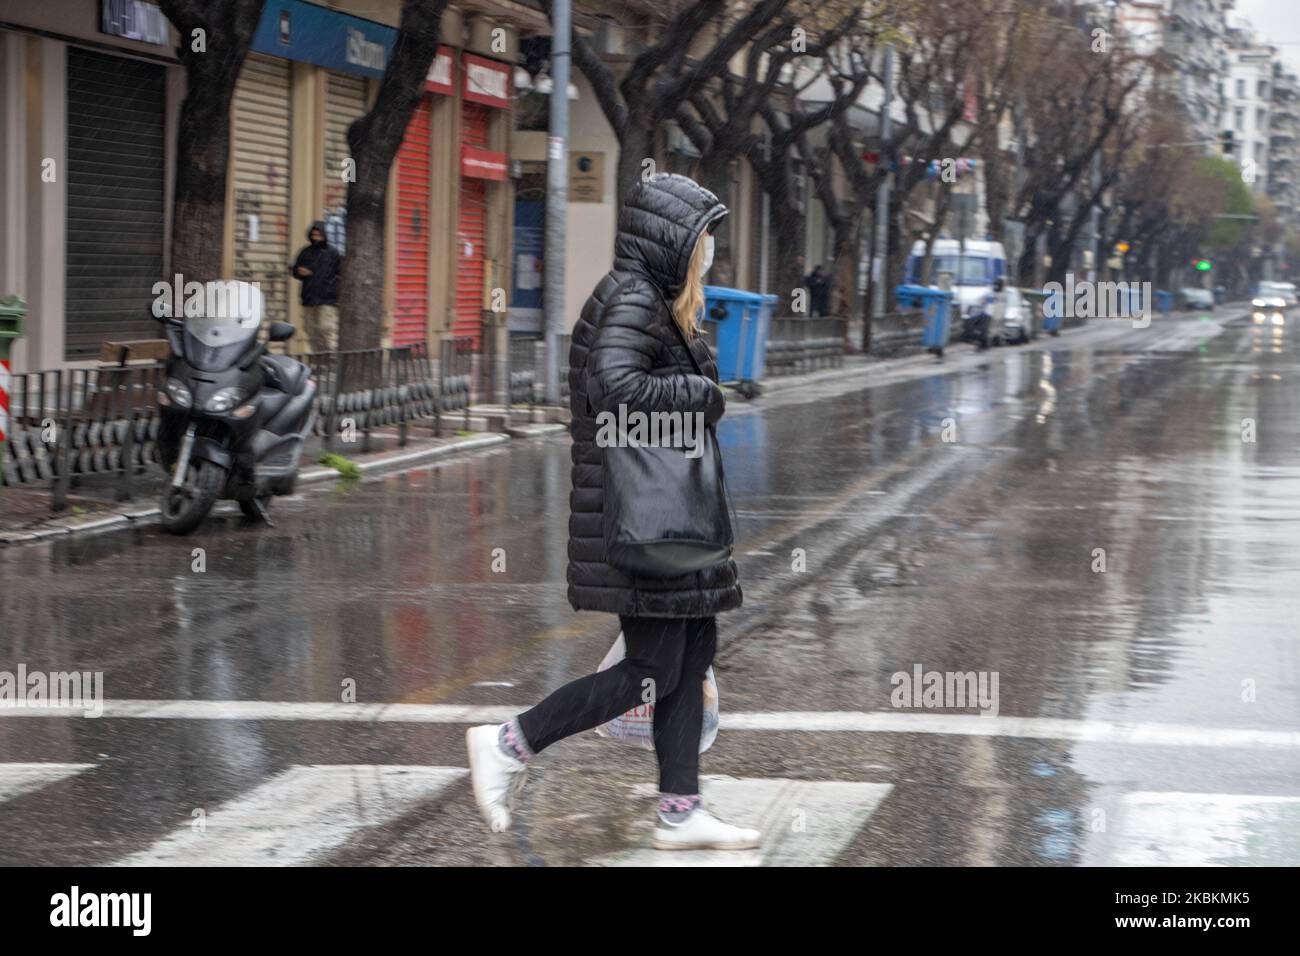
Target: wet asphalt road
[948, 518]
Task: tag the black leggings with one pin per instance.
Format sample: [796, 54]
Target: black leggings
[674, 653]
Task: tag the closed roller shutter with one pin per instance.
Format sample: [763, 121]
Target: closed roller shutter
[411, 310]
[345, 102]
[263, 247]
[471, 233]
[115, 199]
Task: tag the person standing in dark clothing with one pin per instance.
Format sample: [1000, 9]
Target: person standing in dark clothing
[318, 269]
[819, 291]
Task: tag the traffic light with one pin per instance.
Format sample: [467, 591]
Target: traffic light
[1204, 265]
[1228, 143]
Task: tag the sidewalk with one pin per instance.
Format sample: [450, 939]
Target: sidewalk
[25, 514]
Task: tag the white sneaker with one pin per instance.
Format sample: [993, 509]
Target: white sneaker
[496, 776]
[701, 830]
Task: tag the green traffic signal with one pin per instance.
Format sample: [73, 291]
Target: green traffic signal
[1204, 265]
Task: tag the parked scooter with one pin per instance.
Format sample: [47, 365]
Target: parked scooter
[233, 416]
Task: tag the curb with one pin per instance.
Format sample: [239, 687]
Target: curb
[142, 516]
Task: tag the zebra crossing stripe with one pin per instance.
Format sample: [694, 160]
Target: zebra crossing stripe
[1128, 733]
[298, 816]
[17, 779]
[1172, 828]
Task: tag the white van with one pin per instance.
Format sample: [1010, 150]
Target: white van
[973, 269]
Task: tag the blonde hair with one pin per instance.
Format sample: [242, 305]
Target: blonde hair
[690, 301]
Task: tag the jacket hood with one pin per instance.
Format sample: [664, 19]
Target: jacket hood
[319, 224]
[661, 220]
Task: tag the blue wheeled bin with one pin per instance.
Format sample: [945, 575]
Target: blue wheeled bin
[935, 305]
[738, 323]
[1053, 311]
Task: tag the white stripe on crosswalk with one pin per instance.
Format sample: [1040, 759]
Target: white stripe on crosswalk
[17, 779]
[803, 822]
[1206, 829]
[832, 721]
[298, 816]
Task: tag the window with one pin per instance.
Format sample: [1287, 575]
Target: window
[1261, 90]
[1238, 118]
[1241, 89]
[1261, 118]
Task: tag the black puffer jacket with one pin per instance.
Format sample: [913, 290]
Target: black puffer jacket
[626, 351]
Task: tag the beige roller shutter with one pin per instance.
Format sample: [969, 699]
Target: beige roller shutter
[263, 247]
[345, 101]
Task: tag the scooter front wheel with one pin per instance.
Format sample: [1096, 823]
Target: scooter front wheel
[184, 508]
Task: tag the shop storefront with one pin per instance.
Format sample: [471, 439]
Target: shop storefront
[305, 81]
[116, 193]
[485, 91]
[260, 179]
[415, 166]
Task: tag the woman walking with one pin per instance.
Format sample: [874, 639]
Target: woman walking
[636, 345]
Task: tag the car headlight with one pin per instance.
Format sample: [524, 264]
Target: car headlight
[179, 393]
[223, 400]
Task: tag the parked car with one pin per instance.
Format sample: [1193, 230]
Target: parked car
[1196, 299]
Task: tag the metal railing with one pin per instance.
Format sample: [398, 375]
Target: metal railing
[798, 344]
[65, 424]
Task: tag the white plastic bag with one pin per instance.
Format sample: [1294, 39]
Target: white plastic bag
[637, 726]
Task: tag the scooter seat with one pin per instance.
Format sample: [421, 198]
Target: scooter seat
[286, 374]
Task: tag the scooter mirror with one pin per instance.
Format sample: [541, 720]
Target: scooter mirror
[280, 332]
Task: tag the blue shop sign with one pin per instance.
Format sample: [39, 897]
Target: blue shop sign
[296, 30]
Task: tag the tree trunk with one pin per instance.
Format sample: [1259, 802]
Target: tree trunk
[374, 140]
[199, 209]
[637, 146]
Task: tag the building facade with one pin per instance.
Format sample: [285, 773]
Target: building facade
[90, 99]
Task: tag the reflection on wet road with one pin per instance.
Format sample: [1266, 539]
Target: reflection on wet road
[1109, 526]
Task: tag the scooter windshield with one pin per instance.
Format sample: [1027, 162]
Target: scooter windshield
[219, 328]
[215, 343]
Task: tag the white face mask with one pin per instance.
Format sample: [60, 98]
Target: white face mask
[708, 255]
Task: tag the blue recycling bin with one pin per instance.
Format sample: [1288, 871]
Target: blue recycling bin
[741, 323]
[1164, 302]
[935, 305]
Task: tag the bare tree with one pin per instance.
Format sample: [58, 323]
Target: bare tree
[666, 73]
[374, 140]
[214, 39]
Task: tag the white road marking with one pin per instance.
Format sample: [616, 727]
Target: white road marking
[298, 816]
[19, 778]
[803, 822]
[1206, 829]
[826, 721]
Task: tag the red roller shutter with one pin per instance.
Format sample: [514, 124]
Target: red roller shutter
[412, 305]
[471, 234]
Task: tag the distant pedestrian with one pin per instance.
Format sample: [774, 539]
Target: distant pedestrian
[819, 292]
[637, 344]
[317, 268]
